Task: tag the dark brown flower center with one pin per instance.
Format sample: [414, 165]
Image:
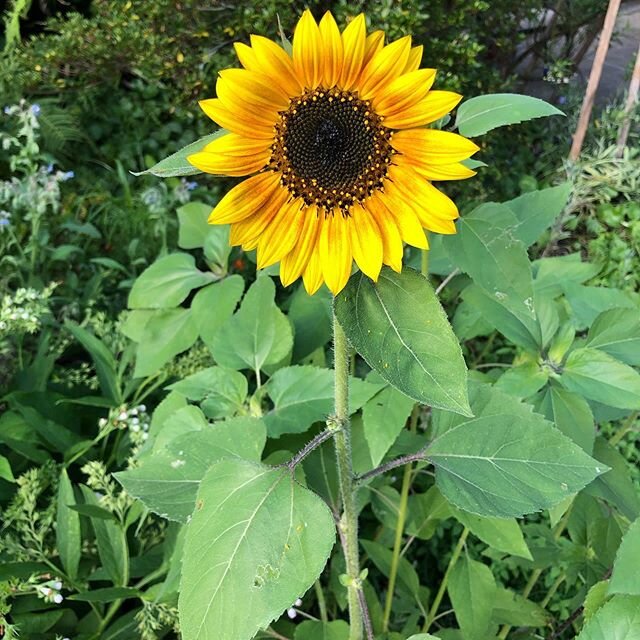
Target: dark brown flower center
[331, 149]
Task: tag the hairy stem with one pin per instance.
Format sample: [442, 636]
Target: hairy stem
[342, 439]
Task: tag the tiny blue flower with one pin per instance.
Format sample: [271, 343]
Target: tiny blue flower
[50, 168]
[191, 185]
[562, 100]
[35, 109]
[7, 110]
[68, 175]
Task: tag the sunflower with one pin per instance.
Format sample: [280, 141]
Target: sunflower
[334, 146]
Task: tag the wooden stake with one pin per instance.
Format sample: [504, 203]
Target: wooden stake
[632, 101]
[594, 79]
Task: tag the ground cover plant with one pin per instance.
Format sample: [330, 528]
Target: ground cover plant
[439, 443]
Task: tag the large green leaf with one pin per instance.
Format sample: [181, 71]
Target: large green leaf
[597, 376]
[512, 609]
[400, 329]
[311, 319]
[471, 588]
[68, 537]
[588, 303]
[625, 569]
[503, 534]
[193, 227]
[167, 282]
[618, 619]
[616, 486]
[571, 413]
[384, 416]
[177, 164]
[214, 304]
[537, 210]
[484, 113]
[617, 332]
[315, 630]
[258, 334]
[167, 333]
[168, 481]
[552, 275]
[256, 542]
[492, 311]
[221, 391]
[509, 465]
[488, 251]
[303, 395]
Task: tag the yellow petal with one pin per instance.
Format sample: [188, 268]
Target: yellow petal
[335, 252]
[415, 58]
[246, 55]
[312, 275]
[244, 108]
[366, 241]
[453, 171]
[332, 46]
[294, 263]
[232, 144]
[254, 88]
[275, 62]
[307, 51]
[373, 44]
[248, 231]
[434, 106]
[353, 44]
[403, 92]
[391, 239]
[234, 122]
[281, 234]
[227, 165]
[385, 66]
[405, 217]
[246, 198]
[426, 200]
[432, 146]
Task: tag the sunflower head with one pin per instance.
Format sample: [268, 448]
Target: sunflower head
[334, 145]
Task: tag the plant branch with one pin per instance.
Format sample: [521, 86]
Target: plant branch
[368, 627]
[447, 280]
[392, 464]
[313, 444]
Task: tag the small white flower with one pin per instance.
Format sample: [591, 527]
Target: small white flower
[102, 422]
[58, 598]
[57, 585]
[292, 613]
[123, 416]
[298, 603]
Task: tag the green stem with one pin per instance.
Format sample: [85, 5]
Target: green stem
[424, 262]
[626, 427]
[402, 517]
[443, 585]
[552, 589]
[322, 603]
[349, 521]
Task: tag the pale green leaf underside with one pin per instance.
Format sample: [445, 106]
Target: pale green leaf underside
[177, 164]
[256, 542]
[484, 113]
